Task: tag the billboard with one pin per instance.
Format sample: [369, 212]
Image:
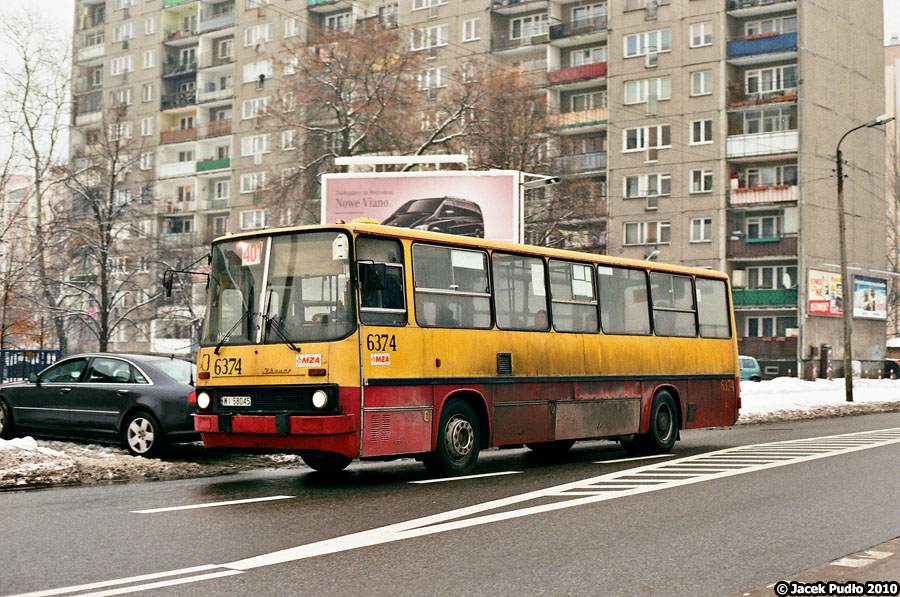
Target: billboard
[869, 297]
[480, 204]
[825, 294]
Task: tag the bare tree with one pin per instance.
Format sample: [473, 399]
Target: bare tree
[893, 235]
[34, 108]
[104, 287]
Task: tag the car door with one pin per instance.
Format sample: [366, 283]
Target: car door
[95, 405]
[45, 404]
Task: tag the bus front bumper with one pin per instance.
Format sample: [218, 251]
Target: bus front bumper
[275, 424]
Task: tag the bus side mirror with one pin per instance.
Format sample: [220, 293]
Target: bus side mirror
[371, 276]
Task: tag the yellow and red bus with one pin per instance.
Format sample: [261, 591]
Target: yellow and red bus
[374, 342]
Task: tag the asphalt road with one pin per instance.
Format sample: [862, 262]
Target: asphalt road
[671, 531]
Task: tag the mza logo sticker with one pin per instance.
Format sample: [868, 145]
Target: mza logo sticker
[309, 360]
[381, 358]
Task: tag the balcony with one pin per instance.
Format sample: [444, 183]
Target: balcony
[753, 248]
[175, 207]
[215, 128]
[579, 119]
[580, 163]
[176, 169]
[178, 100]
[761, 195]
[738, 97]
[177, 69]
[176, 239]
[780, 142]
[219, 204]
[177, 136]
[764, 297]
[207, 165]
[214, 96]
[762, 48]
[762, 348]
[178, 36]
[211, 61]
[578, 28]
[749, 8]
[90, 53]
[502, 43]
[211, 22]
[168, 3]
[573, 74]
[87, 118]
[509, 7]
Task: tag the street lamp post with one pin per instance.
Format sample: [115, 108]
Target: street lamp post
[846, 290]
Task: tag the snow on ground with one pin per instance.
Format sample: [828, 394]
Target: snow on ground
[26, 462]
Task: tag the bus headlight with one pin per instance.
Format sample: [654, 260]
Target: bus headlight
[320, 399]
[203, 400]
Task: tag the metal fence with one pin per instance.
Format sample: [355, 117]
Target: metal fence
[17, 365]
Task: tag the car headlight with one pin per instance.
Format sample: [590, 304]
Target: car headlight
[203, 400]
[320, 399]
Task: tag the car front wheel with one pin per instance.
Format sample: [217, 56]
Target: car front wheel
[142, 435]
[6, 426]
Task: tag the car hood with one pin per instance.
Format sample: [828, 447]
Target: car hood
[406, 220]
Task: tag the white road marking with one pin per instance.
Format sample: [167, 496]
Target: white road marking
[863, 559]
[446, 479]
[165, 583]
[634, 458]
[213, 504]
[569, 495]
[120, 581]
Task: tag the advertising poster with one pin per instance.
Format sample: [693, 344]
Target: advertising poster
[825, 294]
[869, 297]
[478, 204]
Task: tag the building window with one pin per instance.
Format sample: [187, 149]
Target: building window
[647, 185]
[147, 95]
[763, 227]
[150, 26]
[339, 22]
[701, 34]
[771, 80]
[587, 56]
[255, 144]
[701, 230]
[254, 70]
[530, 26]
[287, 141]
[222, 189]
[123, 32]
[772, 276]
[184, 194]
[701, 132]
[121, 65]
[647, 233]
[147, 126]
[701, 82]
[146, 162]
[252, 108]
[770, 327]
[292, 27]
[638, 92]
[471, 29]
[253, 219]
[650, 42]
[769, 120]
[701, 181]
[646, 137]
[768, 176]
[252, 182]
[433, 78]
[429, 37]
[257, 33]
[777, 25]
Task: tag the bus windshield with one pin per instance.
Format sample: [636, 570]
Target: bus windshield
[307, 294]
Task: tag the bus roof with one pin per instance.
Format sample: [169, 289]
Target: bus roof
[468, 241]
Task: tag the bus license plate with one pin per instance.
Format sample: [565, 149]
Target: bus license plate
[235, 400]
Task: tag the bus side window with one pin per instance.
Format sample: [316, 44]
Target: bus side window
[520, 295]
[674, 311]
[451, 287]
[712, 308]
[573, 297]
[623, 300]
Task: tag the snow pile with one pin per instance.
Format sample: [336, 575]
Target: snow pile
[789, 398]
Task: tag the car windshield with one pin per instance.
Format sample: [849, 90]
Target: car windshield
[183, 371]
[307, 294]
[420, 206]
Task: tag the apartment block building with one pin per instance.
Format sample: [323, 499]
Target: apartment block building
[709, 126]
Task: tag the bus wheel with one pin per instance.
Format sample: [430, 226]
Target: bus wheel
[458, 441]
[553, 449]
[663, 428]
[326, 462]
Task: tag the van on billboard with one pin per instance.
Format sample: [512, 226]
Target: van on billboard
[478, 204]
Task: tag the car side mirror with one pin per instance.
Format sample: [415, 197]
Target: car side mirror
[33, 378]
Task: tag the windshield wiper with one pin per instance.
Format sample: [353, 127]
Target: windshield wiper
[248, 314]
[272, 322]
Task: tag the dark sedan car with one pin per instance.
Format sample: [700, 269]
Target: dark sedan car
[144, 401]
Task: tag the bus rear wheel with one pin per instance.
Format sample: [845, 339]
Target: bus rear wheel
[326, 462]
[663, 432]
[458, 442]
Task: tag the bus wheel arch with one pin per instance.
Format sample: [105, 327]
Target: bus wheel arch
[663, 425]
[478, 404]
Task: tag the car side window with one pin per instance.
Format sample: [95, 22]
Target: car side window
[105, 370]
[139, 377]
[65, 372]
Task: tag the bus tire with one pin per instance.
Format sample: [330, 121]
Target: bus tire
[552, 449]
[663, 432]
[458, 442]
[326, 462]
